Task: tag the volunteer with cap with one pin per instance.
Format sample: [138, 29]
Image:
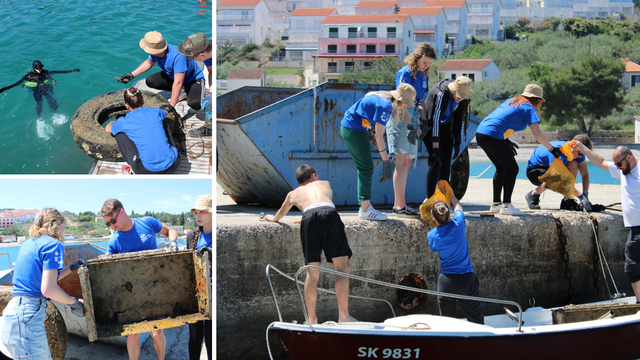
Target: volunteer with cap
[374, 109]
[41, 83]
[198, 47]
[515, 114]
[178, 71]
[201, 241]
[446, 109]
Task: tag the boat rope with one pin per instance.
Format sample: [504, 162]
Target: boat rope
[603, 260]
[565, 256]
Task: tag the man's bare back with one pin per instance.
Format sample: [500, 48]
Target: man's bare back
[312, 192]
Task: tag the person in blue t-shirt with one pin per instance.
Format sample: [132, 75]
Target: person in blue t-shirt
[515, 114]
[198, 47]
[37, 270]
[178, 71]
[456, 274]
[200, 241]
[133, 235]
[144, 138]
[539, 163]
[374, 109]
[402, 136]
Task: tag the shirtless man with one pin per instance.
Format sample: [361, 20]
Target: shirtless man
[320, 229]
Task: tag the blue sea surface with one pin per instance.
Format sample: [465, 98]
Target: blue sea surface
[596, 175]
[101, 38]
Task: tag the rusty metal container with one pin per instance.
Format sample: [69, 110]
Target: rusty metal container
[576, 313]
[149, 290]
[264, 134]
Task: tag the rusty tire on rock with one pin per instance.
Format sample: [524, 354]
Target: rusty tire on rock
[87, 129]
[54, 326]
[460, 174]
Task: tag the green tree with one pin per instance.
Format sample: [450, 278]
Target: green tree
[578, 27]
[584, 92]
[478, 50]
[227, 52]
[510, 31]
[555, 22]
[523, 23]
[13, 230]
[383, 72]
[539, 70]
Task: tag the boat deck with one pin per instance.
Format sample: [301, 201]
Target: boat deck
[195, 152]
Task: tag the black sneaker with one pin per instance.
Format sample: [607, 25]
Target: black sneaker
[570, 204]
[406, 211]
[200, 132]
[533, 200]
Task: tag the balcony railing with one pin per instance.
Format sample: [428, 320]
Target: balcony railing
[223, 17]
[234, 29]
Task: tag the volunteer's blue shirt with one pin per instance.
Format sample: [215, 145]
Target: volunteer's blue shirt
[541, 156]
[142, 236]
[204, 240]
[144, 127]
[450, 241]
[420, 83]
[446, 116]
[366, 112]
[507, 119]
[35, 256]
[209, 62]
[173, 63]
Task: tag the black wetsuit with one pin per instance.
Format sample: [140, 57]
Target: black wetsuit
[41, 84]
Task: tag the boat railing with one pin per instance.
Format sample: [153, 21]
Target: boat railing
[8, 257]
[395, 286]
[269, 267]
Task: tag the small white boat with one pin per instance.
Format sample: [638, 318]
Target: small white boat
[603, 330]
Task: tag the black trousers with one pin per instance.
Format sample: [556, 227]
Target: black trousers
[460, 284]
[499, 152]
[193, 89]
[442, 170]
[198, 331]
[129, 151]
[47, 92]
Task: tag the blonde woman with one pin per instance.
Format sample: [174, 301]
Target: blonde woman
[374, 109]
[402, 135]
[38, 268]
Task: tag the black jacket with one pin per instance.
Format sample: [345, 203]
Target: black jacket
[434, 104]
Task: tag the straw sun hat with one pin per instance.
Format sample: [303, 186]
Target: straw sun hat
[203, 202]
[461, 87]
[405, 93]
[153, 43]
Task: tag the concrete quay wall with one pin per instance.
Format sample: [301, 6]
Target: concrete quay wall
[515, 258]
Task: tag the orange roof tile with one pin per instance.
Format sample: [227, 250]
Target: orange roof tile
[465, 64]
[245, 74]
[433, 10]
[312, 12]
[350, 19]
[446, 3]
[631, 66]
[238, 3]
[375, 4]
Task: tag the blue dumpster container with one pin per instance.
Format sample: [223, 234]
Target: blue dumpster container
[264, 134]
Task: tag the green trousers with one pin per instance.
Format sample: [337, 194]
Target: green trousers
[359, 147]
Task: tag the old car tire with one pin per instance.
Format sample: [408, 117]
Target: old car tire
[460, 174]
[87, 129]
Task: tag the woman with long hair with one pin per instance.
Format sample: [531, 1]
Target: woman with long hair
[515, 114]
[402, 135]
[37, 270]
[375, 108]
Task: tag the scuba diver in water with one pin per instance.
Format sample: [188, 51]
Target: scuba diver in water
[41, 83]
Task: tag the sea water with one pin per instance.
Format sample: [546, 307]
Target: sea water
[101, 38]
[596, 175]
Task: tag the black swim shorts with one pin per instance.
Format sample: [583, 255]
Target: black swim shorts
[533, 173]
[632, 255]
[322, 229]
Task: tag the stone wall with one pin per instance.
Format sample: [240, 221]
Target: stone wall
[597, 136]
[515, 258]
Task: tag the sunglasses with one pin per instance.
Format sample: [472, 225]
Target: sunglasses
[114, 220]
[619, 164]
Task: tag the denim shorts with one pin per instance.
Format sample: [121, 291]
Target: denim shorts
[23, 332]
[397, 136]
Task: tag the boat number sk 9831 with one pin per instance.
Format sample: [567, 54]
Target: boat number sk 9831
[377, 353]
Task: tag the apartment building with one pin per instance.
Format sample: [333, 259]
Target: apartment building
[456, 13]
[350, 41]
[242, 22]
[483, 20]
[305, 28]
[280, 12]
[476, 70]
[631, 76]
[429, 25]
[16, 217]
[379, 7]
[537, 10]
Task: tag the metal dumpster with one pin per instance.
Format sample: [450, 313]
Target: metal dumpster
[264, 134]
[148, 290]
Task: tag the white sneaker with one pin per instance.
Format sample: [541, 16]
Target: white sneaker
[494, 209]
[371, 214]
[511, 210]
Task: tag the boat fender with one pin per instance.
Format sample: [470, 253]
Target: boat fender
[87, 123]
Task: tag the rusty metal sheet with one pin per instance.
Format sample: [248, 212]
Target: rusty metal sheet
[148, 290]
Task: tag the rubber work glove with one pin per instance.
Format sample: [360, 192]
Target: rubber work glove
[434, 157]
[412, 136]
[556, 152]
[173, 245]
[125, 78]
[387, 170]
[76, 265]
[586, 204]
[204, 250]
[514, 146]
[167, 108]
[77, 308]
[75, 70]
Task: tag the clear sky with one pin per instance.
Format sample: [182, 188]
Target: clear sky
[88, 193]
